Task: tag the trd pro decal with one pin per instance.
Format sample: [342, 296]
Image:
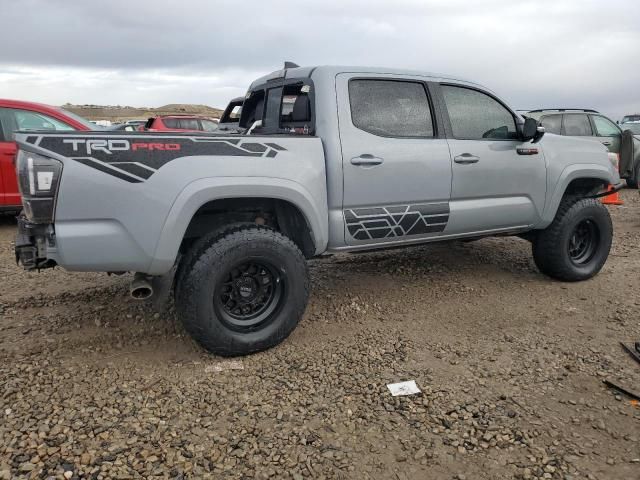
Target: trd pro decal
[135, 159]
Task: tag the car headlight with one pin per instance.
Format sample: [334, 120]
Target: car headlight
[38, 180]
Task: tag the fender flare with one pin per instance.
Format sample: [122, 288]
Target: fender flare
[202, 191]
[570, 173]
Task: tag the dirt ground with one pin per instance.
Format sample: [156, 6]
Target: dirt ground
[510, 364]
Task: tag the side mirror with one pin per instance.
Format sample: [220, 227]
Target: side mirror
[529, 129]
[539, 134]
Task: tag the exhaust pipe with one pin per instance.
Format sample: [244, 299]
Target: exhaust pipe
[140, 288]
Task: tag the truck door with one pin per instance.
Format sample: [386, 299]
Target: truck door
[9, 195]
[499, 182]
[607, 132]
[396, 165]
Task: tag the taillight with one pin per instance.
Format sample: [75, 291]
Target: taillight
[38, 180]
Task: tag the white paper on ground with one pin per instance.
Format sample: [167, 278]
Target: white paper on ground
[403, 388]
[224, 365]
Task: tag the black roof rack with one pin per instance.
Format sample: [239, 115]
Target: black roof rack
[590, 110]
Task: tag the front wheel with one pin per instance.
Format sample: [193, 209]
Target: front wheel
[244, 293]
[576, 244]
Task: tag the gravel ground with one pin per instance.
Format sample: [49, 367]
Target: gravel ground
[510, 363]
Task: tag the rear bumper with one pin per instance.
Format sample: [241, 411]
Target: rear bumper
[31, 245]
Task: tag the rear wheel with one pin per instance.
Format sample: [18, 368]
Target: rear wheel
[243, 293]
[576, 244]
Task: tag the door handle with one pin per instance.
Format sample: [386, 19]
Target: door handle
[366, 160]
[466, 158]
[606, 143]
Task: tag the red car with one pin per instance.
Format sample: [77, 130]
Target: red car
[180, 123]
[17, 115]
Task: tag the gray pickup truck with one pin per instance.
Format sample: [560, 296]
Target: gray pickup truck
[331, 159]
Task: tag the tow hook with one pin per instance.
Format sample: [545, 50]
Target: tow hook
[140, 288]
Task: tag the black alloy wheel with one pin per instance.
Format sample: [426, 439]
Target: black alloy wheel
[248, 294]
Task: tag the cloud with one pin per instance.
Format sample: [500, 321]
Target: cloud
[533, 53]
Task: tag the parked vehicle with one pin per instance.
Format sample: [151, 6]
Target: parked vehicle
[359, 159]
[633, 126]
[136, 123]
[180, 123]
[588, 123]
[231, 116]
[631, 118]
[25, 116]
[123, 127]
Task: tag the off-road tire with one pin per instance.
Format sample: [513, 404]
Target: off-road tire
[551, 246]
[213, 262]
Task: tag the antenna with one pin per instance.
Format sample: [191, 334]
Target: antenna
[290, 65]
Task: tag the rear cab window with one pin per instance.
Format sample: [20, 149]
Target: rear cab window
[284, 109]
[234, 114]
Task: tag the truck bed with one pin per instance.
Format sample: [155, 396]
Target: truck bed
[134, 194]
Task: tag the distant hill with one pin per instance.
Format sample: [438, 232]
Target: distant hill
[118, 113]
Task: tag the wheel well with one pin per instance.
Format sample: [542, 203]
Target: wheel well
[280, 215]
[585, 186]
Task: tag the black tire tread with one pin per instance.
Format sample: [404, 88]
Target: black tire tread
[545, 253]
[213, 250]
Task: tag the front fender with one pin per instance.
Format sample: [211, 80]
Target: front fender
[205, 190]
[570, 173]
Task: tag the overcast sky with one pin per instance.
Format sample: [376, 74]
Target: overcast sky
[542, 53]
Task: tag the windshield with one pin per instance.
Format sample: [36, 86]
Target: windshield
[631, 118]
[78, 118]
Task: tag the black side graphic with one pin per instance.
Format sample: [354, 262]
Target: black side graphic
[136, 158]
[396, 221]
[106, 168]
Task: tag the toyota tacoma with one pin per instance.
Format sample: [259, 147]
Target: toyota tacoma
[331, 159]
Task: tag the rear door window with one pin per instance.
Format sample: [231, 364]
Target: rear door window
[552, 123]
[577, 125]
[189, 124]
[390, 108]
[474, 115]
[171, 123]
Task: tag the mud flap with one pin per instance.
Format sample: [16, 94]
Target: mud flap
[628, 151]
[162, 288]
